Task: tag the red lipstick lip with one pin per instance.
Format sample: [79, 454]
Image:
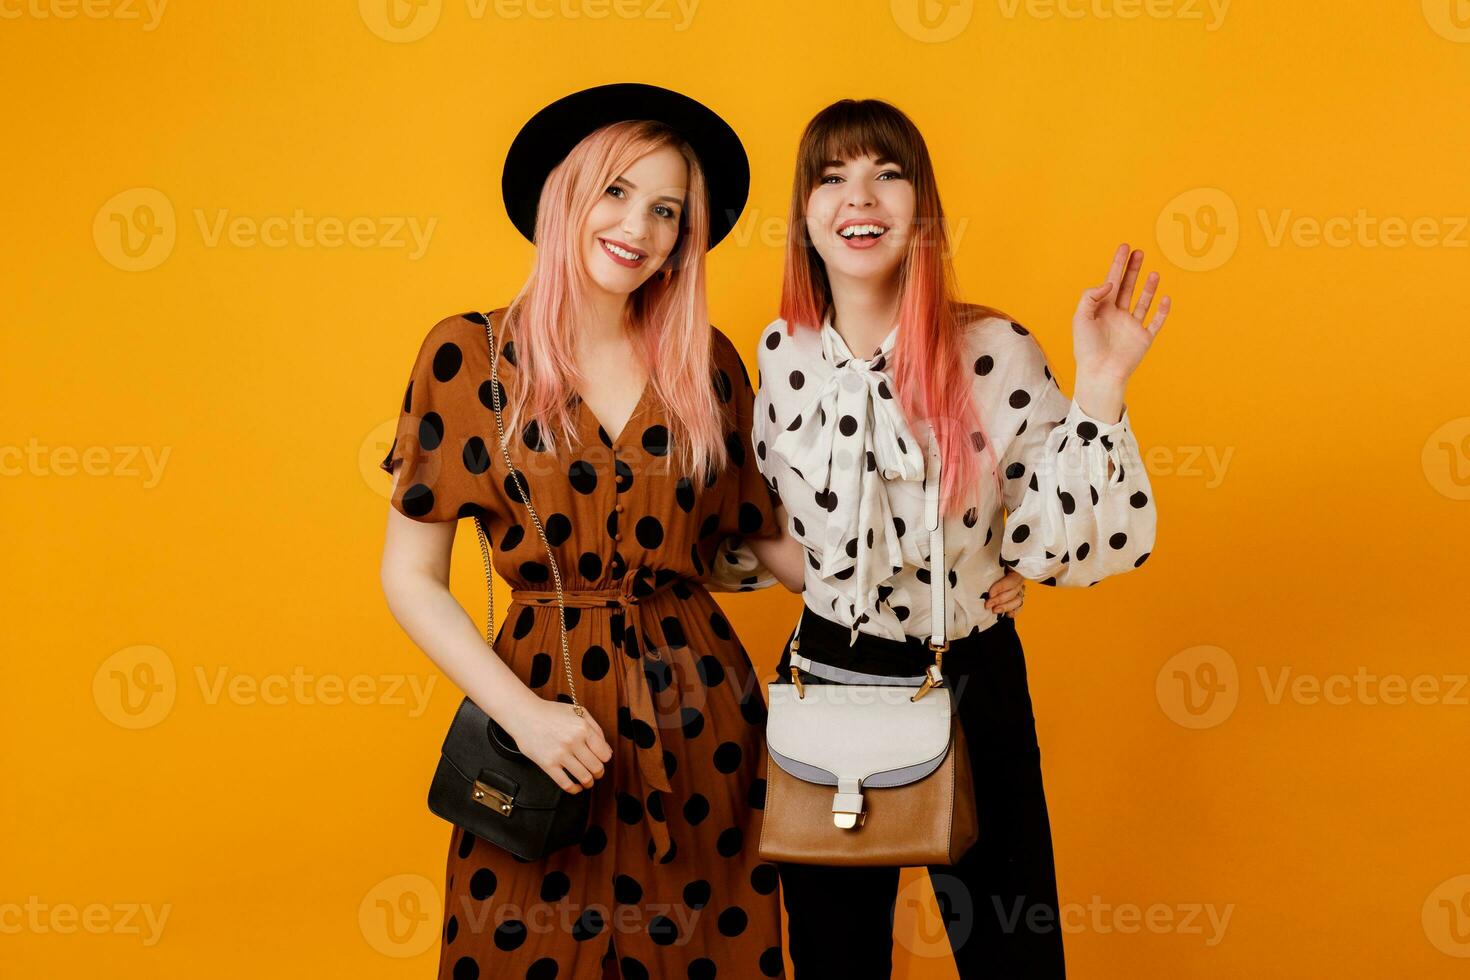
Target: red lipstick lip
[632, 264]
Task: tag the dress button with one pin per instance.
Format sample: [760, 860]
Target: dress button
[619, 508]
[654, 655]
[617, 537]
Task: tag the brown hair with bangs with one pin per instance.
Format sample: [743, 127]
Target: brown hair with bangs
[930, 380]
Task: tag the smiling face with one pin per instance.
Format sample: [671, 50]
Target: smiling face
[634, 226]
[859, 217]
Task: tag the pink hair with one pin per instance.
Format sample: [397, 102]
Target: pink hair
[669, 316]
[931, 380]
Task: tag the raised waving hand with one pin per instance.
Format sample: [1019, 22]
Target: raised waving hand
[1110, 331]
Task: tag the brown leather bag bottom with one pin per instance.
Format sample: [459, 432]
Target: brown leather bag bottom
[929, 821]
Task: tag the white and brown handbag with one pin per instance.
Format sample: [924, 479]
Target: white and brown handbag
[865, 769]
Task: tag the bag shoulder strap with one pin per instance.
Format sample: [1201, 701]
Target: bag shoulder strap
[496, 392]
[938, 566]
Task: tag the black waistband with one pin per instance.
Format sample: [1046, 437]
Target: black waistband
[827, 641]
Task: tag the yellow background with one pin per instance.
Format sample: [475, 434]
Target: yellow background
[1304, 409]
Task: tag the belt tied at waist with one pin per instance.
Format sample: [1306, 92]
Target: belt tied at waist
[642, 729]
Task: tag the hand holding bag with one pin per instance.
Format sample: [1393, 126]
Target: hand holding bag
[867, 769]
[483, 783]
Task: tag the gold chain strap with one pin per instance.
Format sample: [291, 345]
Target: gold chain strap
[566, 656]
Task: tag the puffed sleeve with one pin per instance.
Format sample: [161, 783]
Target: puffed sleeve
[750, 512]
[441, 440]
[1068, 521]
[761, 435]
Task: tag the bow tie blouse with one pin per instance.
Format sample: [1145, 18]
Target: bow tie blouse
[832, 441]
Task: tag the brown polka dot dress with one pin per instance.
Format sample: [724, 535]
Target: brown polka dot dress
[666, 882]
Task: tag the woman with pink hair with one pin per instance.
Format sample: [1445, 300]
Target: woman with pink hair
[618, 495]
[872, 365]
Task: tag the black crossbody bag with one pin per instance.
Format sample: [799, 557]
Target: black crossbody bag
[483, 783]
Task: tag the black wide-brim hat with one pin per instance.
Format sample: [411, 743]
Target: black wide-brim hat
[546, 139]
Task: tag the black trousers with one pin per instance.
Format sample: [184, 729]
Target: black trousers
[999, 902]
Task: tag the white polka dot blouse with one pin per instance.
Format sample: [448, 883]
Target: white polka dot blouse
[833, 443]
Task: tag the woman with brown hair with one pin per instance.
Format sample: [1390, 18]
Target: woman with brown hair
[871, 358]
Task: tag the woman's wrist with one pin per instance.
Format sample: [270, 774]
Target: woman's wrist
[1100, 397]
[516, 709]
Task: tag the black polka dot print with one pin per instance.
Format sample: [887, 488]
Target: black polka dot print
[655, 662]
[1065, 499]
